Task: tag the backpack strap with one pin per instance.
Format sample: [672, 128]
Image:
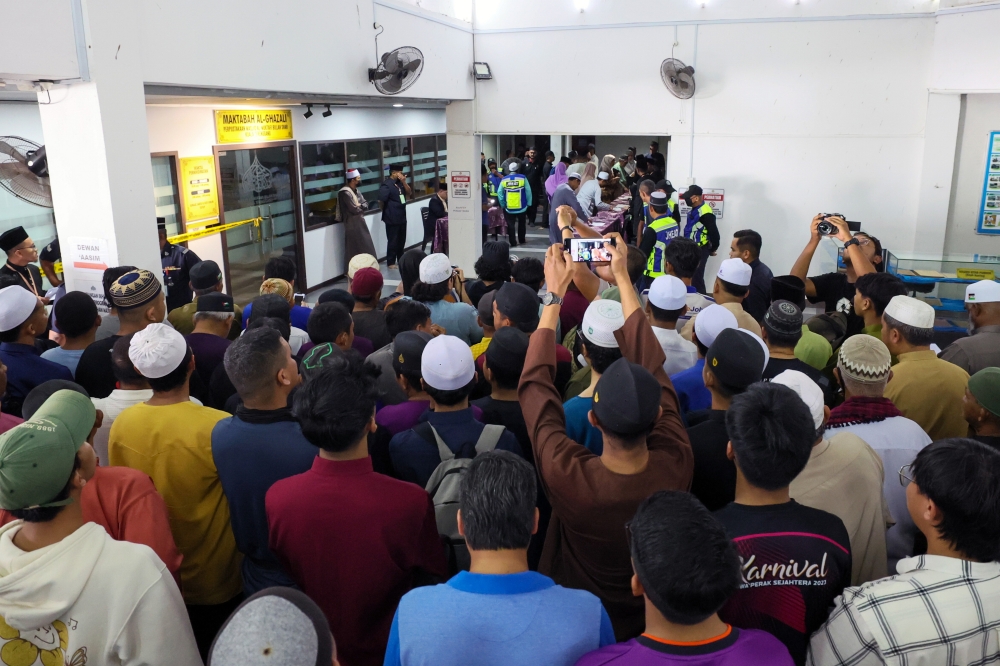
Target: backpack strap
[431, 436]
[489, 438]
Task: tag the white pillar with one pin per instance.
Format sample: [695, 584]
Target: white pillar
[934, 196]
[465, 213]
[97, 144]
[557, 146]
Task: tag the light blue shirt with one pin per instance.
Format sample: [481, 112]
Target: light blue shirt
[68, 357]
[458, 319]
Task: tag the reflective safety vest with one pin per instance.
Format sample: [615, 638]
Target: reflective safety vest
[670, 209]
[514, 194]
[666, 229]
[694, 229]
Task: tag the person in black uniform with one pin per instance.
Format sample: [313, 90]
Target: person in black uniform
[21, 253]
[48, 258]
[392, 195]
[177, 262]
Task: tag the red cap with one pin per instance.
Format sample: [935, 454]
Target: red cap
[367, 282]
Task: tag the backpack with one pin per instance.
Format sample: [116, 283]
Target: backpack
[444, 487]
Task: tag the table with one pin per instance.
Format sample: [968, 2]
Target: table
[608, 221]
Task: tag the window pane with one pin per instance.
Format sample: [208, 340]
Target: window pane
[322, 178]
[364, 156]
[396, 151]
[165, 194]
[442, 141]
[424, 173]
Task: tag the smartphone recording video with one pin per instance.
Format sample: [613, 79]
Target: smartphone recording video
[586, 249]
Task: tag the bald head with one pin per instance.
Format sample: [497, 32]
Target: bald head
[984, 314]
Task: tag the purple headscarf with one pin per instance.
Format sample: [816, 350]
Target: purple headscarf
[557, 178]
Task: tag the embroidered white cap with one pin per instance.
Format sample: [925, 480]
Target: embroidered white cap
[668, 293]
[352, 174]
[157, 350]
[735, 271]
[602, 318]
[603, 175]
[807, 389]
[984, 291]
[16, 305]
[911, 311]
[446, 363]
[711, 321]
[435, 268]
[359, 261]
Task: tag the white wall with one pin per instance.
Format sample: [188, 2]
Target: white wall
[21, 119]
[980, 116]
[961, 61]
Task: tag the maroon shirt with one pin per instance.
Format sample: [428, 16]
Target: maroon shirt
[355, 542]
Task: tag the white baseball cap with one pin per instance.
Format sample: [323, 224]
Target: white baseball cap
[157, 350]
[603, 175]
[807, 389]
[360, 261]
[16, 305]
[984, 291]
[602, 318]
[711, 321]
[668, 293]
[911, 311]
[735, 272]
[352, 174]
[446, 363]
[435, 268]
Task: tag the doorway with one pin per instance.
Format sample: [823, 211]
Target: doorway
[259, 180]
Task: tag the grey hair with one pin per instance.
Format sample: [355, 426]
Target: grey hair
[498, 502]
[873, 389]
[253, 359]
[918, 337]
[217, 316]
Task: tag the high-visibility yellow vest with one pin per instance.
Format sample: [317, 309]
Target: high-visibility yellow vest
[695, 230]
[666, 229]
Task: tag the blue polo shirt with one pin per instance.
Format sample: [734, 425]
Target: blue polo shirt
[690, 387]
[26, 369]
[493, 620]
[578, 427]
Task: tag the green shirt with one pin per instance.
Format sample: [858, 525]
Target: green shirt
[182, 319]
[813, 349]
[875, 330]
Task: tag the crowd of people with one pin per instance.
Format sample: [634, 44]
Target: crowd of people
[557, 462]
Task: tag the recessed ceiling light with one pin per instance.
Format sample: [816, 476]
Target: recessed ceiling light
[398, 106]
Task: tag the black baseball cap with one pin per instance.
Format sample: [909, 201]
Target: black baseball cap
[407, 350]
[508, 349]
[215, 302]
[736, 359]
[519, 303]
[205, 274]
[789, 288]
[51, 252]
[626, 398]
[783, 317]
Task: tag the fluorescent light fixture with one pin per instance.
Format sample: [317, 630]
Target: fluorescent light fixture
[481, 71]
[398, 106]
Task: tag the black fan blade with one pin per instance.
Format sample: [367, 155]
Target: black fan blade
[413, 65]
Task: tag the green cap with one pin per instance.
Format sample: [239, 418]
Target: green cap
[37, 457]
[985, 387]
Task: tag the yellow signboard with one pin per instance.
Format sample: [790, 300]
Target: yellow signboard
[247, 126]
[199, 193]
[975, 274]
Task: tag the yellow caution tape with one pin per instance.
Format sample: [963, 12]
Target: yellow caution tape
[57, 267]
[208, 230]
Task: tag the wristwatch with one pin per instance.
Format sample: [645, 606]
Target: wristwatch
[853, 241]
[551, 299]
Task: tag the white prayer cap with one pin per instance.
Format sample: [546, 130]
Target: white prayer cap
[446, 363]
[352, 174]
[359, 261]
[602, 318]
[984, 291]
[911, 311]
[157, 350]
[16, 305]
[711, 321]
[760, 341]
[435, 268]
[807, 389]
[735, 272]
[574, 175]
[603, 175]
[668, 293]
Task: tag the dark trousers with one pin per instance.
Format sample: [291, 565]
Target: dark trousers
[532, 213]
[429, 228]
[207, 620]
[698, 282]
[395, 242]
[517, 224]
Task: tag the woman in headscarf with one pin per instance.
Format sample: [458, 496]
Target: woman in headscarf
[351, 207]
[607, 164]
[589, 194]
[555, 179]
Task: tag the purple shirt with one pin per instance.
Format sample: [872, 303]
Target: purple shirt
[209, 351]
[741, 647]
[405, 415]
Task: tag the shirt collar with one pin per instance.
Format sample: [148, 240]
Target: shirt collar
[949, 565]
[987, 329]
[925, 355]
[18, 348]
[451, 418]
[518, 583]
[358, 467]
[691, 289]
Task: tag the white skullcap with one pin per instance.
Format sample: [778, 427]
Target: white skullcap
[360, 261]
[157, 350]
[574, 175]
[602, 318]
[984, 291]
[603, 175]
[435, 268]
[760, 341]
[446, 363]
[668, 293]
[735, 272]
[807, 389]
[911, 311]
[16, 305]
[711, 321]
[352, 174]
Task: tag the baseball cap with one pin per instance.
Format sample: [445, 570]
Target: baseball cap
[435, 268]
[157, 350]
[360, 261]
[783, 318]
[735, 271]
[407, 349]
[215, 302]
[711, 321]
[602, 318]
[507, 349]
[626, 398]
[985, 387]
[367, 282]
[807, 390]
[519, 303]
[984, 291]
[911, 311]
[668, 293]
[134, 289]
[735, 359]
[865, 359]
[37, 396]
[16, 305]
[205, 274]
[37, 456]
[447, 364]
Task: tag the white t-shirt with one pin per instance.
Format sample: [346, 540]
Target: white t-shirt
[680, 353]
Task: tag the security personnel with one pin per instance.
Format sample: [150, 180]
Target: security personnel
[177, 262]
[662, 229]
[494, 178]
[701, 227]
[515, 198]
[48, 258]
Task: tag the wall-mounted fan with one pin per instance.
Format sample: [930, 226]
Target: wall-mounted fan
[24, 170]
[397, 70]
[678, 78]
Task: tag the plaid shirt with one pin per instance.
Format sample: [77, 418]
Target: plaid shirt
[938, 610]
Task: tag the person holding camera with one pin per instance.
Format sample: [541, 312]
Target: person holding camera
[862, 255]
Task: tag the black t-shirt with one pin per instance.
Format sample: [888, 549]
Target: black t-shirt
[371, 324]
[838, 295]
[776, 366]
[795, 560]
[94, 372]
[508, 414]
[476, 290]
[989, 440]
[714, 481]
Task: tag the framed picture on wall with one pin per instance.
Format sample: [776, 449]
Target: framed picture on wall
[988, 221]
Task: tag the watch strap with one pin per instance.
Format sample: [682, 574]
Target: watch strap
[853, 241]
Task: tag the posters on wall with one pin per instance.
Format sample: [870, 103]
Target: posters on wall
[460, 201]
[249, 125]
[989, 209]
[87, 258]
[199, 194]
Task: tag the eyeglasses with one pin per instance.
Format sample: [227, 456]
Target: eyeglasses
[864, 242]
[904, 475]
[28, 247]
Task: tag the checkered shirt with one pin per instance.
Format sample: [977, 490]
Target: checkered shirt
[938, 611]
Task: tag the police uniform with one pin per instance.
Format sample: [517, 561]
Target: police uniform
[177, 262]
[515, 198]
[701, 228]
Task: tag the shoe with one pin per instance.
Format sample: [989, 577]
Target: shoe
[513, 243]
[392, 267]
[522, 241]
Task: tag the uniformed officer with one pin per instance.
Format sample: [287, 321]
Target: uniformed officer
[48, 258]
[177, 262]
[701, 227]
[21, 253]
[662, 229]
[514, 195]
[494, 178]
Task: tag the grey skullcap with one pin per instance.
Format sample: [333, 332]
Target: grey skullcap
[278, 626]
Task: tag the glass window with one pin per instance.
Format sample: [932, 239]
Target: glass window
[397, 151]
[424, 169]
[166, 195]
[442, 144]
[322, 177]
[365, 157]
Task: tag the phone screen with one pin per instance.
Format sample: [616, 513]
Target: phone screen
[586, 249]
[298, 298]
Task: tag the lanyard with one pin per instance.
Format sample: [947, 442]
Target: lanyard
[29, 283]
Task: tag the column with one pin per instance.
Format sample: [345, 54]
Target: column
[97, 144]
[934, 197]
[557, 145]
[465, 198]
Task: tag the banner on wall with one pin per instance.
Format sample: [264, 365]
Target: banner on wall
[88, 258]
[244, 126]
[989, 209]
[199, 194]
